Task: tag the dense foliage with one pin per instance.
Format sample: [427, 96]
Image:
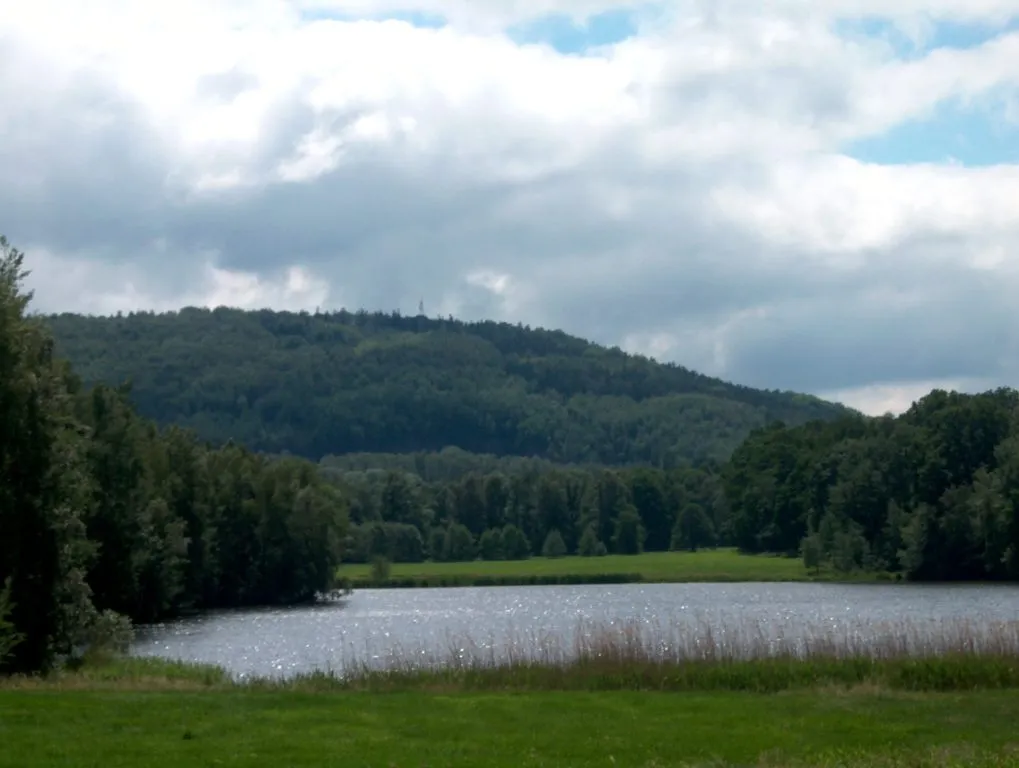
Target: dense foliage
[103, 516]
[338, 383]
[543, 510]
[933, 494]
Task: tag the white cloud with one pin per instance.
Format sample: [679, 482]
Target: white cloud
[879, 399]
[682, 193]
[291, 287]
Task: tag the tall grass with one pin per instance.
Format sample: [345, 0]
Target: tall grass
[938, 655]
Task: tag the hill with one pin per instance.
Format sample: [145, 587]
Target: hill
[339, 383]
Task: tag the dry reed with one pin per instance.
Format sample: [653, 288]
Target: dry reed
[935, 655]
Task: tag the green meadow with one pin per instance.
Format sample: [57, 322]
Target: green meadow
[80, 728]
[716, 565]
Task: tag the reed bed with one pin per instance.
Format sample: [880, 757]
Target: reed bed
[938, 655]
[934, 655]
[701, 641]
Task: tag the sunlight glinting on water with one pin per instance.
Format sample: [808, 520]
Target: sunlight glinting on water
[425, 627]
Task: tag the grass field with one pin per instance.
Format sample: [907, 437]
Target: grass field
[83, 729]
[721, 565]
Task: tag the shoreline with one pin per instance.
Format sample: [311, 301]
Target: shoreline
[724, 566]
[948, 654]
[439, 581]
[919, 697]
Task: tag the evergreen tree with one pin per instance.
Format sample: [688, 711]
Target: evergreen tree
[554, 545]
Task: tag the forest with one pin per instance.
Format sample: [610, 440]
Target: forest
[932, 494]
[341, 383]
[548, 512]
[105, 518]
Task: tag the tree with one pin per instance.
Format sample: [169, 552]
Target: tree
[553, 507]
[43, 486]
[514, 543]
[470, 505]
[812, 552]
[850, 550]
[648, 494]
[9, 636]
[399, 502]
[589, 545]
[693, 529]
[436, 543]
[491, 544]
[458, 545]
[554, 545]
[628, 538]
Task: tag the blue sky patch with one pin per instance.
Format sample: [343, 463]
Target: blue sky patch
[415, 18]
[941, 35]
[953, 35]
[976, 136]
[568, 36]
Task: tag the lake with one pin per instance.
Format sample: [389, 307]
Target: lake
[376, 627]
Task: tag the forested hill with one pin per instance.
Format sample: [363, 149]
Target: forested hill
[337, 383]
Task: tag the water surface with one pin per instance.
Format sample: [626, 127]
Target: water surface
[376, 626]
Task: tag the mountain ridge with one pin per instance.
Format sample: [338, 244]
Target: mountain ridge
[315, 384]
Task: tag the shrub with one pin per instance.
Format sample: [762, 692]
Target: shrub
[381, 568]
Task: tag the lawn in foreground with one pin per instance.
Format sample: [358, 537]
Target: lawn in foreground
[237, 727]
[723, 565]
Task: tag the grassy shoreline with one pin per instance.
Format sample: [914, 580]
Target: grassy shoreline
[705, 566]
[918, 696]
[948, 655]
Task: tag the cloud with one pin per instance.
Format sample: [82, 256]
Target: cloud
[699, 183]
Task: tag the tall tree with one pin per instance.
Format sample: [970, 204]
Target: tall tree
[43, 485]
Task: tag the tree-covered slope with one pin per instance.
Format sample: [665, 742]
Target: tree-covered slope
[336, 383]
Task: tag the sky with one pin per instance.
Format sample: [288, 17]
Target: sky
[819, 196]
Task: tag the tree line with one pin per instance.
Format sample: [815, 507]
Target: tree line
[932, 494]
[104, 517]
[547, 511]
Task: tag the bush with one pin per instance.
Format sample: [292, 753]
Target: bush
[381, 568]
[108, 635]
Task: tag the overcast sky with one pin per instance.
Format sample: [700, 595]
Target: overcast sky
[817, 195]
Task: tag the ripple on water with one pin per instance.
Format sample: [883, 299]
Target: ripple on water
[386, 625]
